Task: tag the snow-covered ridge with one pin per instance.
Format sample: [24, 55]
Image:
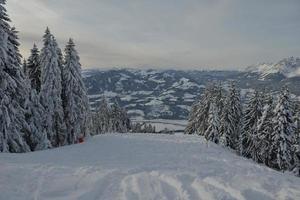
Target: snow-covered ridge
[289, 67]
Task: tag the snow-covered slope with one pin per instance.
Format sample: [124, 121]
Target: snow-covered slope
[113, 167]
[289, 67]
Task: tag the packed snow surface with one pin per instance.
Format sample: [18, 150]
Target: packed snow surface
[140, 166]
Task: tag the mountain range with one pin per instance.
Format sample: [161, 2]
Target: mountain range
[169, 94]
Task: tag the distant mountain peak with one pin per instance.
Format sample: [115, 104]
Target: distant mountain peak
[289, 67]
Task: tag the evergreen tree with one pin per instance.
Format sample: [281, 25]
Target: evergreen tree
[296, 168]
[34, 69]
[60, 60]
[51, 91]
[249, 136]
[192, 121]
[283, 132]
[231, 118]
[37, 139]
[101, 119]
[212, 133]
[59, 54]
[119, 120]
[296, 149]
[75, 100]
[24, 68]
[297, 121]
[219, 99]
[137, 128]
[264, 132]
[198, 120]
[13, 90]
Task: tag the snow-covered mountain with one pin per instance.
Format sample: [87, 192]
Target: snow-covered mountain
[149, 94]
[141, 166]
[169, 94]
[288, 67]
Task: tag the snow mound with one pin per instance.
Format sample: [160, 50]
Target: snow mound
[140, 166]
[289, 67]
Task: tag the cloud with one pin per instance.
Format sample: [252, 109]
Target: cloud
[171, 33]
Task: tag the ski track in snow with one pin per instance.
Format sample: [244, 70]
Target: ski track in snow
[139, 166]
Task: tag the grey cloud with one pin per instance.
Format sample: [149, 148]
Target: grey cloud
[171, 33]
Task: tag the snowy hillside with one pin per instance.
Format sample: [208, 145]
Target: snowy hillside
[140, 167]
[289, 67]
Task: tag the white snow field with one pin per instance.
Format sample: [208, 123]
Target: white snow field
[140, 166]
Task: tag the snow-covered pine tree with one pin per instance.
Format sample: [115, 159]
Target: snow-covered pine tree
[219, 98]
[136, 127]
[283, 132]
[153, 129]
[115, 117]
[60, 56]
[296, 146]
[34, 69]
[51, 91]
[101, 118]
[296, 117]
[75, 100]
[119, 120]
[231, 118]
[198, 119]
[37, 139]
[248, 138]
[213, 133]
[25, 68]
[296, 167]
[13, 90]
[192, 121]
[264, 132]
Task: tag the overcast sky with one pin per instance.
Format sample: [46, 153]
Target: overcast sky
[202, 34]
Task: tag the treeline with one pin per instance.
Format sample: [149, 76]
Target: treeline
[143, 127]
[110, 119]
[44, 105]
[113, 119]
[266, 128]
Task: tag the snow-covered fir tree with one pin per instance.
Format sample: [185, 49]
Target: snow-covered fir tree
[198, 119]
[37, 139]
[213, 133]
[296, 145]
[283, 132]
[75, 100]
[101, 118]
[108, 119]
[143, 128]
[264, 132]
[137, 127]
[24, 68]
[119, 119]
[251, 116]
[51, 91]
[192, 120]
[297, 120]
[296, 167]
[60, 61]
[34, 69]
[231, 118]
[13, 90]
